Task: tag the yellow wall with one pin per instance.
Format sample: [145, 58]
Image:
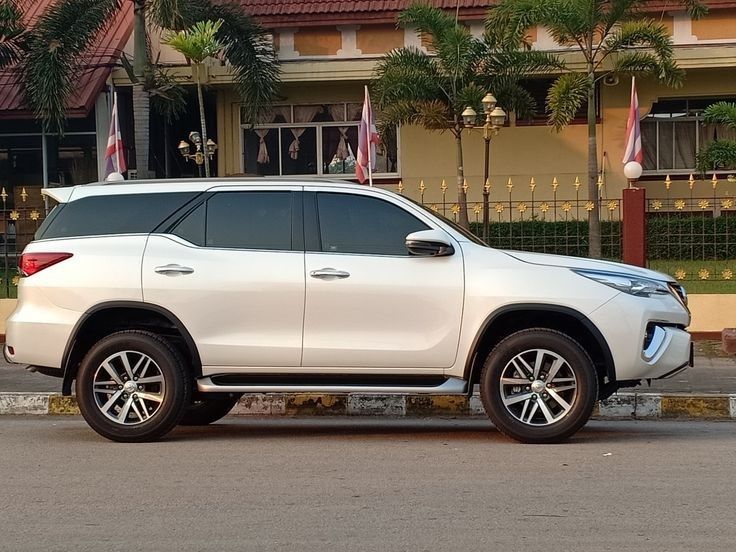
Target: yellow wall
[719, 24]
[318, 41]
[379, 39]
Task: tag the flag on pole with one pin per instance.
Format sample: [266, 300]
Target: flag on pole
[633, 151]
[114, 154]
[367, 140]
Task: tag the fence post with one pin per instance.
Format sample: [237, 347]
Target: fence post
[634, 227]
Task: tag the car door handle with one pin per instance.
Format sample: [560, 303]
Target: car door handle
[173, 269]
[329, 274]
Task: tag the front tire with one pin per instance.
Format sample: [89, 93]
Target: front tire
[133, 386]
[539, 386]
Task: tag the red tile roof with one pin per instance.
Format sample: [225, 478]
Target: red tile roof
[102, 56]
[298, 13]
[294, 13]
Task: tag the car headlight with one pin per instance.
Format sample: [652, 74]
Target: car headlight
[628, 283]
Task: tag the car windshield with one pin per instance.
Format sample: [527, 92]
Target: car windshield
[455, 226]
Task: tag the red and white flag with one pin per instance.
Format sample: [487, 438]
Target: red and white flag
[114, 154]
[367, 140]
[633, 151]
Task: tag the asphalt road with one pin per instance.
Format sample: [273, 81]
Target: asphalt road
[367, 484]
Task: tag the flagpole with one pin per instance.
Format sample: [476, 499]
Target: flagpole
[117, 127]
[368, 137]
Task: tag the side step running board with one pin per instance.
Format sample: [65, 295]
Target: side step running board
[451, 386]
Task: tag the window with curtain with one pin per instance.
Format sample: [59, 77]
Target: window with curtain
[315, 139]
[673, 133]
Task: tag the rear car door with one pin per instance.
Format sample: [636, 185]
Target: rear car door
[232, 271]
[369, 305]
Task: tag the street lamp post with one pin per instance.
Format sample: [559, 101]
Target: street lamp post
[495, 119]
[203, 153]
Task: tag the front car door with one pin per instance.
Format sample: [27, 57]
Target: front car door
[369, 305]
[232, 271]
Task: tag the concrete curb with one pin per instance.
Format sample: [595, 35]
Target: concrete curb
[626, 406]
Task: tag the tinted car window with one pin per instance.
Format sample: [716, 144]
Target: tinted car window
[114, 214]
[249, 220]
[192, 226]
[360, 224]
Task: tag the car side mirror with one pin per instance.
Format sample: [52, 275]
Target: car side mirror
[429, 243]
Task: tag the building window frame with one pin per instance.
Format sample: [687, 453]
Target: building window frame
[318, 127]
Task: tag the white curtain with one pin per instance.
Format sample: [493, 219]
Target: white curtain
[302, 114]
[337, 112]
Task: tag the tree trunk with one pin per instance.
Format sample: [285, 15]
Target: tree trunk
[197, 68]
[462, 197]
[594, 221]
[141, 98]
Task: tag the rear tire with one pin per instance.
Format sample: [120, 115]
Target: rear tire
[539, 386]
[133, 386]
[207, 410]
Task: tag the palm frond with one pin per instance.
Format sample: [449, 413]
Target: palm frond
[695, 8]
[168, 97]
[167, 14]
[723, 113]
[57, 45]
[13, 34]
[248, 48]
[640, 33]
[427, 19]
[406, 74]
[198, 42]
[565, 97]
[432, 115]
[636, 62]
[508, 22]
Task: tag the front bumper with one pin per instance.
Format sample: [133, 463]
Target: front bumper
[669, 352]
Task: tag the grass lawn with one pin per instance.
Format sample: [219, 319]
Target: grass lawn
[695, 280]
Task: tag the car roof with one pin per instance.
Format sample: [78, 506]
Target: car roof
[70, 193]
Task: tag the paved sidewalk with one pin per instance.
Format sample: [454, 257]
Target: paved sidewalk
[709, 375]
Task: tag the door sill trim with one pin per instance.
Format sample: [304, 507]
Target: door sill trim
[451, 386]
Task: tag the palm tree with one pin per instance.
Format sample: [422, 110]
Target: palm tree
[63, 34]
[721, 153]
[613, 37]
[433, 90]
[197, 44]
[12, 33]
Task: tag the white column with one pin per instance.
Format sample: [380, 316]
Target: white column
[286, 44]
[102, 129]
[411, 38]
[349, 42]
[682, 28]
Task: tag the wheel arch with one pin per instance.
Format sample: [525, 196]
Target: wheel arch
[511, 318]
[108, 317]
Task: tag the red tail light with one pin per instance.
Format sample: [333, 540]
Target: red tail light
[30, 263]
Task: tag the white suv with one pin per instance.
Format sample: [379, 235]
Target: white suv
[168, 300]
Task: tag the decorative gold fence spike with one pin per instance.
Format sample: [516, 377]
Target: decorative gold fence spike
[714, 181]
[577, 183]
[465, 185]
[532, 184]
[600, 182]
[679, 204]
[487, 186]
[691, 181]
[555, 184]
[400, 187]
[667, 182]
[4, 194]
[510, 184]
[23, 194]
[443, 187]
[422, 187]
